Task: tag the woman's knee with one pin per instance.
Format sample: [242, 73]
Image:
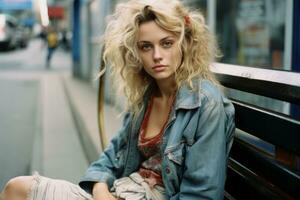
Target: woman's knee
[18, 186]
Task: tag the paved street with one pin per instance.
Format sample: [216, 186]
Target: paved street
[37, 130]
[18, 118]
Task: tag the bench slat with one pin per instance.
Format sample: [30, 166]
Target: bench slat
[277, 84]
[242, 184]
[274, 90]
[265, 168]
[275, 128]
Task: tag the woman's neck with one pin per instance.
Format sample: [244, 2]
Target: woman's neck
[166, 88]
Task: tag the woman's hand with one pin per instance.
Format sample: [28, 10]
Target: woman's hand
[101, 192]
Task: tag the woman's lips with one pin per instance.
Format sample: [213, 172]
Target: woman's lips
[159, 68]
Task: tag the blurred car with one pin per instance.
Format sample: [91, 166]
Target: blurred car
[8, 30]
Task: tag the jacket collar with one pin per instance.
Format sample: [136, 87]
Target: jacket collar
[186, 97]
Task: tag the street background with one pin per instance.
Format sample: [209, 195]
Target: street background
[48, 115]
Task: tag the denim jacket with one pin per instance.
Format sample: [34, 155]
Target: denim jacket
[195, 146]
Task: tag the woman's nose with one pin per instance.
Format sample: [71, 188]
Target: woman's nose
[157, 56]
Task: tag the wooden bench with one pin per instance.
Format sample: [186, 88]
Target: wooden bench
[255, 172]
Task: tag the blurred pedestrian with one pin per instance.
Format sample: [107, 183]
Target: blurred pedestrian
[178, 128]
[43, 34]
[65, 41]
[52, 42]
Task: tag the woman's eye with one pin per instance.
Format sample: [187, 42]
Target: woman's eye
[145, 47]
[167, 44]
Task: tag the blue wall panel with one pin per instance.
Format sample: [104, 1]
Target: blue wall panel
[295, 109]
[76, 38]
[296, 37]
[15, 4]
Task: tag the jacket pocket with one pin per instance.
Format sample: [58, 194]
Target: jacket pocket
[176, 153]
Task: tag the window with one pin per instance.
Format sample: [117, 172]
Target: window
[253, 32]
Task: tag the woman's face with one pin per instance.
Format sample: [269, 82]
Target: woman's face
[158, 50]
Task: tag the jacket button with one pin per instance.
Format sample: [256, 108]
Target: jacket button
[168, 170]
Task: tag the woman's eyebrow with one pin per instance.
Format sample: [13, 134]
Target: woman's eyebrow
[143, 42]
[165, 38]
[168, 37]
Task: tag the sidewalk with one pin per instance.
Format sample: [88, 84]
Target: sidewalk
[82, 98]
[70, 122]
[63, 155]
[83, 101]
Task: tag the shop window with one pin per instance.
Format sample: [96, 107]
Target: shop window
[252, 32]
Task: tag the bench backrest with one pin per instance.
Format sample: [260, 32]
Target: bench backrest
[255, 171]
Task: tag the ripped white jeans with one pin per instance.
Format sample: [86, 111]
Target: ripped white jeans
[133, 187]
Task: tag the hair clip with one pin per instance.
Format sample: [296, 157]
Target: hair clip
[187, 20]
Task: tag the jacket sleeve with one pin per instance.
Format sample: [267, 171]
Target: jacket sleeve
[206, 160]
[108, 167]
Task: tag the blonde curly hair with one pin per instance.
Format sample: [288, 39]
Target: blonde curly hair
[196, 43]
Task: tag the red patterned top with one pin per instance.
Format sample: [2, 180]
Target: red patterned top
[150, 169]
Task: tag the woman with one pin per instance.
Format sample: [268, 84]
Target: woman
[178, 129]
